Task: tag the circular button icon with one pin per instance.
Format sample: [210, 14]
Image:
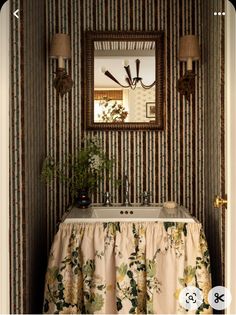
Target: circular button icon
[191, 298]
[219, 298]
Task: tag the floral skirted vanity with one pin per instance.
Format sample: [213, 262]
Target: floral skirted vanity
[126, 263]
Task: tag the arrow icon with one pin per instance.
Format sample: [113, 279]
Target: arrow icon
[15, 13]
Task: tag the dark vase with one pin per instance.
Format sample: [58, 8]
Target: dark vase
[83, 200]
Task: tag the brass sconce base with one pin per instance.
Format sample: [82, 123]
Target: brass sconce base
[186, 84]
[63, 82]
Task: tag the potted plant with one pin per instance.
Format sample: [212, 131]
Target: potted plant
[80, 172]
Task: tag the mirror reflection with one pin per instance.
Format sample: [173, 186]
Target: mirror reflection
[124, 81]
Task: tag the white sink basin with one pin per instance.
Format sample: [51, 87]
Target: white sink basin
[131, 214]
[126, 212]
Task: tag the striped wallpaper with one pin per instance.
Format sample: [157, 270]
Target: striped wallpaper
[28, 233]
[168, 163]
[17, 214]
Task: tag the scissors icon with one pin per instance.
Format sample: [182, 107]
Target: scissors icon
[190, 297]
[218, 297]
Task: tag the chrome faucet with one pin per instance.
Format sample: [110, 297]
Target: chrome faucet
[126, 202]
[146, 198]
[107, 199]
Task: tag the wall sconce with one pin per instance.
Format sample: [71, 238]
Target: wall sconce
[61, 50]
[189, 51]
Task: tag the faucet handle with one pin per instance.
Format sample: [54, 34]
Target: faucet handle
[145, 198]
[107, 199]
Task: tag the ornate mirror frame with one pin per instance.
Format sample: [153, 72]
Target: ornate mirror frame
[88, 78]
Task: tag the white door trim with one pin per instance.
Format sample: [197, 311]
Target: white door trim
[230, 105]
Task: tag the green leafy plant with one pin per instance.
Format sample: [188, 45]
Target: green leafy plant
[80, 171]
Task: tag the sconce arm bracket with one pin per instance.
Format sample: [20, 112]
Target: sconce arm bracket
[186, 84]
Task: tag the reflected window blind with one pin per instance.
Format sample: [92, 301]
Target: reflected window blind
[108, 94]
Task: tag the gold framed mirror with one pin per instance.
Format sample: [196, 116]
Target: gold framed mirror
[124, 80]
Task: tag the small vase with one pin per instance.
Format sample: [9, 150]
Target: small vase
[83, 200]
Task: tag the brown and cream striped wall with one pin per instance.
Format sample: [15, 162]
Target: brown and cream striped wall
[28, 233]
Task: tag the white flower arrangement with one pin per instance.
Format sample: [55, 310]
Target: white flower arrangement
[95, 162]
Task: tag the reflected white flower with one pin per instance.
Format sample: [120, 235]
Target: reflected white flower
[95, 162]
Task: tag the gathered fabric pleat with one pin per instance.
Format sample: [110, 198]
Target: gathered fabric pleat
[126, 268]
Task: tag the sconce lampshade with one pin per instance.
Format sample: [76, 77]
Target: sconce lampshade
[61, 49]
[189, 48]
[60, 46]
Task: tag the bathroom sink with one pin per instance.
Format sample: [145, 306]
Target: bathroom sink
[130, 214]
[126, 212]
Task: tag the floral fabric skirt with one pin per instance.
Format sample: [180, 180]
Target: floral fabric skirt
[127, 268]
